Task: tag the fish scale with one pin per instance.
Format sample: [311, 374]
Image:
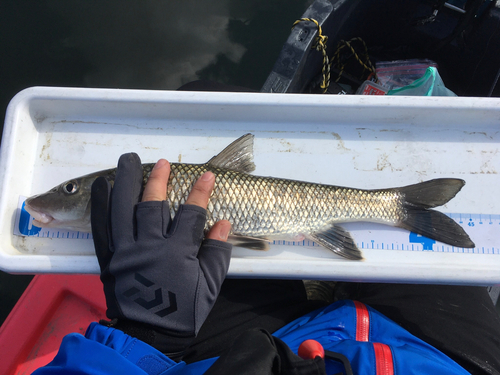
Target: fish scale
[263, 207]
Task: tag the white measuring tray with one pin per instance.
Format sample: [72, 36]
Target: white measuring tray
[54, 134]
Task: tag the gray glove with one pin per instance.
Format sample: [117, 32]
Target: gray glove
[161, 279]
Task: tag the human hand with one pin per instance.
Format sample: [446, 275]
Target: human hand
[160, 277]
[156, 190]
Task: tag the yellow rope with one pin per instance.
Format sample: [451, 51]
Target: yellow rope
[320, 45]
[366, 65]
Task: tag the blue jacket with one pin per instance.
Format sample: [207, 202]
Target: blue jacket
[373, 344]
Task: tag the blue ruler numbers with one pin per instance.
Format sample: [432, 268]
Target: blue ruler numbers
[484, 230]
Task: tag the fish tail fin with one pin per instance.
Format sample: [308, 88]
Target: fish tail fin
[432, 193]
[420, 219]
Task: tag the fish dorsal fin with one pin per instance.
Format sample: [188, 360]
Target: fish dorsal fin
[238, 156]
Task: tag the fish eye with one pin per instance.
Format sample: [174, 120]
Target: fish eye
[70, 187]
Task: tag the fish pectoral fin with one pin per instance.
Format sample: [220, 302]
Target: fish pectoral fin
[338, 240]
[238, 156]
[252, 243]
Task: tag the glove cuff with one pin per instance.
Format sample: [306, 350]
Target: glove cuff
[172, 344]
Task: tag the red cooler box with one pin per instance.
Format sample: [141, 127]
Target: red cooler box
[51, 307]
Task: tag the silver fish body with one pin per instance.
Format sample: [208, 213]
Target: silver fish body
[266, 206]
[261, 208]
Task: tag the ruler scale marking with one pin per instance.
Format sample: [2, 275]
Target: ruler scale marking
[486, 237]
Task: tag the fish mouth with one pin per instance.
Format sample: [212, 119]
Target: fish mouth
[40, 219]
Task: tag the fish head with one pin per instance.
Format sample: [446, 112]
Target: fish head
[67, 205]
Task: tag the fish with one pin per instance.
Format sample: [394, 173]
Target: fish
[261, 209]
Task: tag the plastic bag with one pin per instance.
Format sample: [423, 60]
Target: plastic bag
[400, 73]
[430, 84]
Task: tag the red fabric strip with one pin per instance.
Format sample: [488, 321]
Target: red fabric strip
[362, 322]
[383, 359]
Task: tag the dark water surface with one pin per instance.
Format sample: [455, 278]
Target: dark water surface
[136, 44]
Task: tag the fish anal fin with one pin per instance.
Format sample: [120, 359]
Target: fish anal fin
[337, 240]
[252, 243]
[238, 156]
